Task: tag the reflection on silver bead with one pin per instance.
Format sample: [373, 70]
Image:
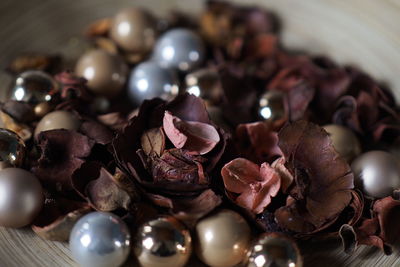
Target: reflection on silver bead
[204, 83]
[12, 149]
[100, 239]
[181, 49]
[149, 80]
[272, 106]
[376, 173]
[274, 250]
[163, 242]
[34, 87]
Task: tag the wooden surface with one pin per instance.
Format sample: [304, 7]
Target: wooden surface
[360, 32]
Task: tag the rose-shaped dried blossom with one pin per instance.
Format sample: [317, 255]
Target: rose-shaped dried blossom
[322, 180]
[173, 176]
[249, 185]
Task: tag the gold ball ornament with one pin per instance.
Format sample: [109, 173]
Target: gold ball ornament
[163, 242]
[223, 239]
[12, 149]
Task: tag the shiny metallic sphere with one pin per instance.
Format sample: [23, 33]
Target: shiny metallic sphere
[163, 242]
[149, 80]
[12, 149]
[100, 239]
[376, 173]
[105, 72]
[34, 87]
[274, 250]
[223, 239]
[271, 106]
[21, 197]
[344, 141]
[179, 48]
[134, 30]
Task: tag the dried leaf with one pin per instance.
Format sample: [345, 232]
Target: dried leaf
[153, 141]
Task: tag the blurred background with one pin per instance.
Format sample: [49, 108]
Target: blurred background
[361, 32]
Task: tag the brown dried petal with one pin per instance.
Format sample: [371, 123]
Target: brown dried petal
[99, 188]
[254, 185]
[96, 131]
[195, 137]
[19, 111]
[153, 141]
[57, 218]
[322, 179]
[31, 61]
[62, 152]
[99, 27]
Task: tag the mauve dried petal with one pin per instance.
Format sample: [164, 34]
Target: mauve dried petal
[73, 86]
[57, 218]
[62, 152]
[323, 180]
[197, 138]
[19, 111]
[96, 131]
[114, 120]
[257, 142]
[99, 187]
[153, 141]
[240, 95]
[249, 185]
[262, 46]
[188, 107]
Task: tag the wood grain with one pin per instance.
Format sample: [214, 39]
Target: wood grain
[365, 33]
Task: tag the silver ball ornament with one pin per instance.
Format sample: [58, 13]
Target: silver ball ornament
[223, 239]
[179, 48]
[274, 250]
[34, 87]
[376, 173]
[149, 80]
[163, 242]
[100, 239]
[272, 106]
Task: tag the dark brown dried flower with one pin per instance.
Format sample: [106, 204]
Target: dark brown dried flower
[34, 61]
[171, 149]
[322, 180]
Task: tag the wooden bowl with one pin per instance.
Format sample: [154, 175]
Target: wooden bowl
[362, 33]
